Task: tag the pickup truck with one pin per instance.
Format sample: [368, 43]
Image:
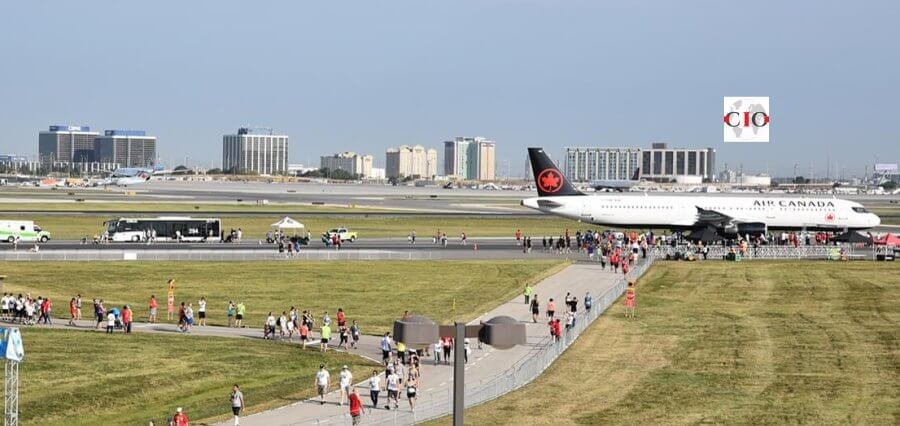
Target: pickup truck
[342, 233]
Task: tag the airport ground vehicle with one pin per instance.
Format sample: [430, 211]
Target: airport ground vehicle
[163, 228]
[26, 230]
[342, 233]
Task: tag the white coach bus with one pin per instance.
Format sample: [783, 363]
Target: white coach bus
[181, 229]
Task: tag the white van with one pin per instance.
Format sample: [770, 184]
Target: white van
[26, 230]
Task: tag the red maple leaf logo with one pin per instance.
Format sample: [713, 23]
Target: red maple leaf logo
[829, 217]
[550, 180]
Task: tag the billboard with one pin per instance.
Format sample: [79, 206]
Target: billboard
[886, 167]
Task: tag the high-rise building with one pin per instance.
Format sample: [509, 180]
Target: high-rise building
[658, 163]
[661, 163]
[409, 161]
[130, 148]
[350, 162]
[470, 158]
[67, 144]
[255, 150]
[585, 164]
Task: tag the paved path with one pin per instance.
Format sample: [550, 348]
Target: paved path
[436, 380]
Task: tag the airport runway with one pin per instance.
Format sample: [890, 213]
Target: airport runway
[394, 244]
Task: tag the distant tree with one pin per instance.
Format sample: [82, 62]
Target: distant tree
[889, 185]
[800, 180]
[180, 168]
[214, 171]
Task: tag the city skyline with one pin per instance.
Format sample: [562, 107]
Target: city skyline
[535, 74]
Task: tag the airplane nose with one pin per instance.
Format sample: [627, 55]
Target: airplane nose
[876, 220]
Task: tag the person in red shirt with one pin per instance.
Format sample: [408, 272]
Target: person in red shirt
[355, 406]
[126, 319]
[180, 418]
[625, 268]
[153, 306]
[73, 311]
[341, 317]
[46, 307]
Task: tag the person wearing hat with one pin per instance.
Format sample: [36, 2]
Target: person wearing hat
[180, 418]
[346, 383]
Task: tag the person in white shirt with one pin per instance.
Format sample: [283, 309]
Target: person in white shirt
[393, 388]
[110, 322]
[322, 381]
[270, 327]
[374, 388]
[346, 383]
[201, 310]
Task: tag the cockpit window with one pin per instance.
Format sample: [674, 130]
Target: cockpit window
[860, 210]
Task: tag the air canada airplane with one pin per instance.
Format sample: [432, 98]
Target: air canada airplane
[726, 215]
[620, 185]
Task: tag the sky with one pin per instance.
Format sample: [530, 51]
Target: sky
[364, 76]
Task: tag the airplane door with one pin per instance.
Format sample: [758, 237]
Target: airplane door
[586, 214]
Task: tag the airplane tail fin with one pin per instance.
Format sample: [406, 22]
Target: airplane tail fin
[549, 180]
[637, 174]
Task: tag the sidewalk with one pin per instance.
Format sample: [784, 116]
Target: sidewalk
[436, 380]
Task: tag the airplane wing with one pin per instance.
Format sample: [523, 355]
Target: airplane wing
[712, 217]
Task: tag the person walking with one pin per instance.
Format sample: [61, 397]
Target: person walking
[127, 319]
[393, 388]
[229, 312]
[73, 312]
[153, 305]
[629, 299]
[304, 333]
[326, 336]
[180, 418]
[527, 292]
[386, 348]
[188, 317]
[110, 322]
[46, 309]
[354, 334]
[551, 308]
[447, 344]
[346, 382]
[535, 309]
[240, 309]
[374, 388]
[201, 311]
[78, 306]
[237, 403]
[322, 381]
[588, 301]
[355, 407]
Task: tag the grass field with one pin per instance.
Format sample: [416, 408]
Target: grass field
[730, 343]
[373, 292]
[66, 227]
[89, 378]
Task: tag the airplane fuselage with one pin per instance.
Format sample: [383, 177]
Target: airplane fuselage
[681, 212]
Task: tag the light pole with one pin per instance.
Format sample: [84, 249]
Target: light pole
[501, 332]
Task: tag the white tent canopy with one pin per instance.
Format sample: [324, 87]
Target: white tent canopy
[287, 223]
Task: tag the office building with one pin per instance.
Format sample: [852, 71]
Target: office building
[350, 162]
[131, 148]
[411, 161]
[659, 163]
[662, 164]
[67, 144]
[256, 150]
[470, 158]
[586, 164]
